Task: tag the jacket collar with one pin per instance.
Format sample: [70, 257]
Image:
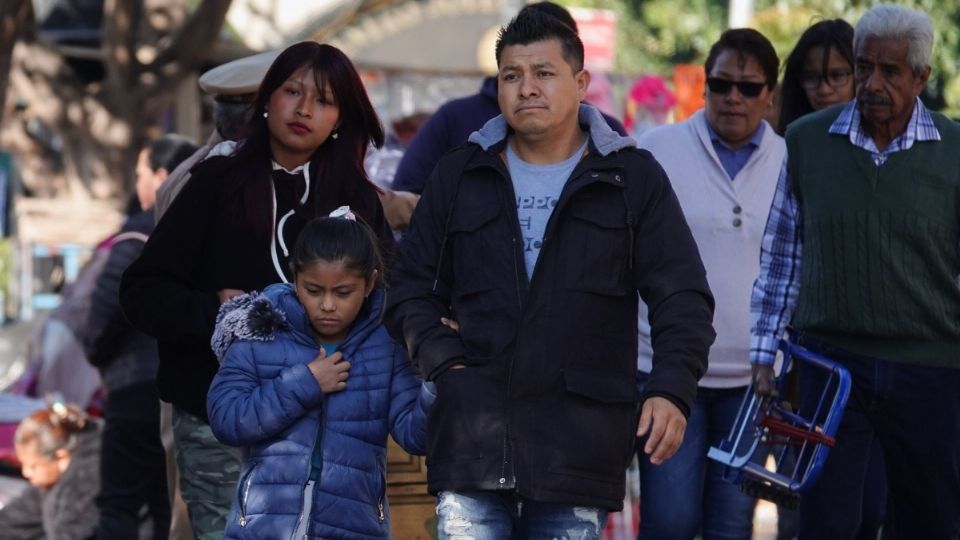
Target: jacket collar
[603, 140]
[258, 316]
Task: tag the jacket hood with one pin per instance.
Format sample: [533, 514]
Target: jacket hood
[258, 316]
[605, 140]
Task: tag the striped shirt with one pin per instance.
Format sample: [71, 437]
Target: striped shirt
[775, 290]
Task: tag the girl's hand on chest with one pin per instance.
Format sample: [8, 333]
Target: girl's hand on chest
[331, 372]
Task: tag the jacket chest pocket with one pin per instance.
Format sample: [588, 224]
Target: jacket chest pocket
[472, 238]
[597, 242]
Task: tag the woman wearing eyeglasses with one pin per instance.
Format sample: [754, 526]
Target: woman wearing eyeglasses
[819, 71]
[723, 163]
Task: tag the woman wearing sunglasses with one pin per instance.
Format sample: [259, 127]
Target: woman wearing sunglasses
[723, 163]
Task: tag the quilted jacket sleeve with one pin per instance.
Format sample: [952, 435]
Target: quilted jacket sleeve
[410, 401]
[245, 410]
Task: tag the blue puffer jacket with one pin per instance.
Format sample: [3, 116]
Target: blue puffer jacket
[265, 398]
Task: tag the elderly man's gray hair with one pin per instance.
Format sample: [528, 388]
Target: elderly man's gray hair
[900, 23]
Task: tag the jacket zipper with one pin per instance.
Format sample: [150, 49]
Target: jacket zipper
[246, 493]
[383, 492]
[504, 482]
[317, 442]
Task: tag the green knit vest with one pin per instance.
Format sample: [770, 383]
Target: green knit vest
[881, 245]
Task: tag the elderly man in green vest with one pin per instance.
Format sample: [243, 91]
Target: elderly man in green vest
[862, 250]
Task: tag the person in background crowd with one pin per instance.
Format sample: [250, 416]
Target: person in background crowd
[455, 120]
[311, 384]
[537, 238]
[59, 453]
[722, 163]
[818, 73]
[860, 257]
[229, 232]
[648, 104]
[233, 86]
[133, 468]
[381, 164]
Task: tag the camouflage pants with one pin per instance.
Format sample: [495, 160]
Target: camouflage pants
[208, 474]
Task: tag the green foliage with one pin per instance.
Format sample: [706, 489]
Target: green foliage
[784, 20]
[652, 35]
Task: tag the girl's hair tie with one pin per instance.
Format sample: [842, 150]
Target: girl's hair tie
[344, 212]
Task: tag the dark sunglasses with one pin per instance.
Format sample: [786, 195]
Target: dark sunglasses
[723, 86]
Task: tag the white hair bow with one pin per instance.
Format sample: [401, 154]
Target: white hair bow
[344, 212]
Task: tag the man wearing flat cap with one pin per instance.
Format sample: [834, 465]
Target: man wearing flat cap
[233, 86]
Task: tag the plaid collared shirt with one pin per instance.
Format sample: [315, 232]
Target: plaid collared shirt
[781, 252]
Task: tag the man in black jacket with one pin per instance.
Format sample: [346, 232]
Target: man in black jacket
[516, 291]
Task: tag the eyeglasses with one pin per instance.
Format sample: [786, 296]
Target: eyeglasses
[723, 86]
[835, 78]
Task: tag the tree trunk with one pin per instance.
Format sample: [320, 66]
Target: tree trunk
[148, 50]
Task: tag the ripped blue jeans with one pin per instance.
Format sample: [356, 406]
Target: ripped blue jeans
[503, 515]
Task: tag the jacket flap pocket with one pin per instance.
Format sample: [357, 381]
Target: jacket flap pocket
[605, 210]
[470, 217]
[601, 386]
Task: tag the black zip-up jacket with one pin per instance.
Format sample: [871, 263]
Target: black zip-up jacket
[201, 247]
[547, 404]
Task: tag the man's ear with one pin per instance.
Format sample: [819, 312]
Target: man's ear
[161, 174]
[583, 83]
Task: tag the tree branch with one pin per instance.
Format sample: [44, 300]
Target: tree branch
[16, 21]
[120, 22]
[199, 33]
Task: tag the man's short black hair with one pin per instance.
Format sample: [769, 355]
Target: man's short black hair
[533, 25]
[557, 11]
[747, 42]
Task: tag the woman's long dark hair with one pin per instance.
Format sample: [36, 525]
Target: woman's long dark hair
[336, 166]
[834, 34]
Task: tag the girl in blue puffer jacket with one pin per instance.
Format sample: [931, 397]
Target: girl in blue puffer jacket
[311, 384]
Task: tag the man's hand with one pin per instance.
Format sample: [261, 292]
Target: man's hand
[398, 207]
[450, 323]
[226, 294]
[764, 381]
[666, 424]
[331, 373]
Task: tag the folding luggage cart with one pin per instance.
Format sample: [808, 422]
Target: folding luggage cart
[799, 440]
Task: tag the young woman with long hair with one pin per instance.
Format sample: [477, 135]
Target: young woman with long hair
[231, 231]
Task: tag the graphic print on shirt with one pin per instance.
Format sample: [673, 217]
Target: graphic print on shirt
[537, 188]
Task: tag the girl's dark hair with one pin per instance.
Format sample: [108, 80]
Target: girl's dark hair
[832, 35]
[169, 151]
[336, 166]
[51, 429]
[342, 240]
[747, 41]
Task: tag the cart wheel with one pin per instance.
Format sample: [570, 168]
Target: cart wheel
[762, 490]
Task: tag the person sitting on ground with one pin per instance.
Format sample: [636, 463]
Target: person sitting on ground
[59, 450]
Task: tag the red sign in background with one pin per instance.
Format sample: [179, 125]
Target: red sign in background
[598, 31]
